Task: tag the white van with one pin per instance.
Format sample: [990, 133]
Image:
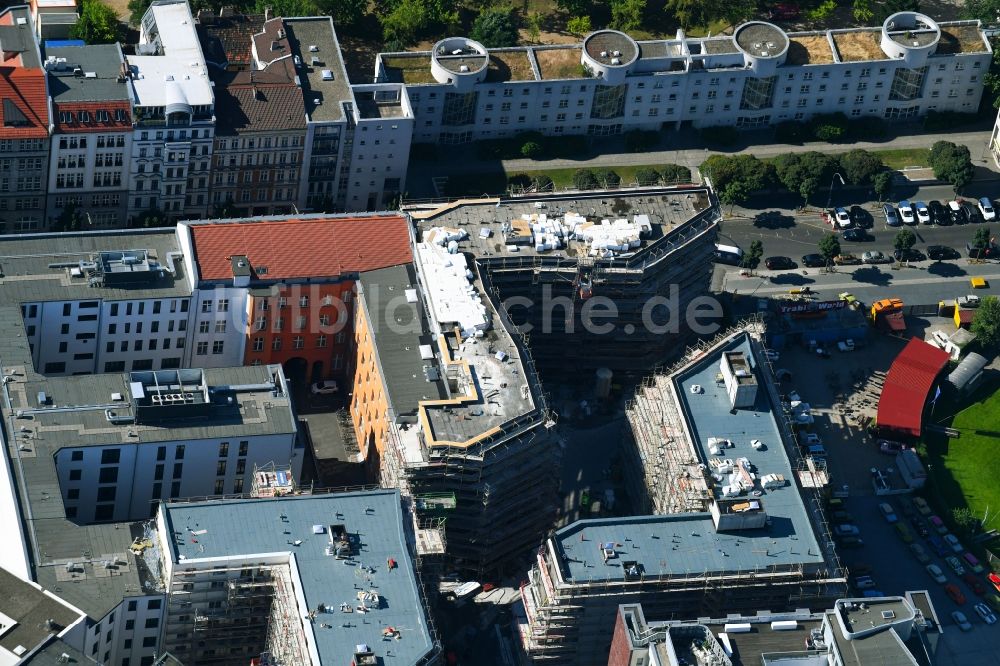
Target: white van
[728, 254]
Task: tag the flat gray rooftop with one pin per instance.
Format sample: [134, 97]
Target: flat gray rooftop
[234, 528]
[718, 46]
[399, 340]
[884, 648]
[687, 544]
[30, 607]
[748, 647]
[369, 107]
[77, 416]
[601, 46]
[762, 40]
[35, 267]
[104, 61]
[668, 211]
[57, 653]
[314, 38]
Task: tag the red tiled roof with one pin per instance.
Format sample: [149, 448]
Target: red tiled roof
[907, 385]
[288, 249]
[93, 125]
[25, 88]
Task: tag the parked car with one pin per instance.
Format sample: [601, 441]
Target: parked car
[972, 212]
[961, 621]
[994, 581]
[864, 582]
[974, 583]
[937, 545]
[919, 553]
[937, 524]
[846, 260]
[873, 594]
[903, 530]
[855, 235]
[984, 612]
[969, 301]
[846, 530]
[889, 447]
[993, 601]
[891, 215]
[852, 542]
[908, 255]
[942, 252]
[841, 218]
[861, 218]
[779, 263]
[987, 210]
[922, 506]
[906, 212]
[888, 512]
[952, 541]
[327, 387]
[955, 565]
[813, 261]
[936, 573]
[923, 213]
[976, 252]
[957, 213]
[874, 257]
[956, 594]
[841, 517]
[939, 214]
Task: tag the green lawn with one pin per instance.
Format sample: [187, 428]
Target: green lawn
[965, 471]
[900, 158]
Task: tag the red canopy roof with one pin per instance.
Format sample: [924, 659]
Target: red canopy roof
[907, 386]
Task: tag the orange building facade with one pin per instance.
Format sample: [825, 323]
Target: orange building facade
[369, 403]
[304, 327]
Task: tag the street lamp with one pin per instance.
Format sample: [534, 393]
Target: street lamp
[829, 198]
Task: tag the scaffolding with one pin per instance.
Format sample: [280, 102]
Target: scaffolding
[286, 639]
[272, 480]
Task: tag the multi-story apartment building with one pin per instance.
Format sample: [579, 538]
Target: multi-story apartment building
[758, 76]
[730, 538]
[91, 145]
[53, 19]
[226, 38]
[174, 116]
[281, 290]
[265, 576]
[26, 113]
[38, 627]
[854, 632]
[260, 132]
[357, 137]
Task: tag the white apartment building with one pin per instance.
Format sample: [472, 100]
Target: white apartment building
[89, 164]
[357, 137]
[174, 112]
[759, 76]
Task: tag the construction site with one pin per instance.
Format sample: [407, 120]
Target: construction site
[593, 280]
[294, 580]
[732, 517]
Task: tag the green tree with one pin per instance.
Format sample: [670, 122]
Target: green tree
[153, 217]
[534, 27]
[575, 7]
[982, 238]
[986, 11]
[965, 520]
[495, 27]
[735, 193]
[991, 80]
[986, 323]
[675, 173]
[752, 257]
[804, 173]
[70, 219]
[647, 176]
[578, 25]
[626, 15]
[863, 13]
[584, 179]
[886, 8]
[860, 166]
[608, 178]
[752, 174]
[531, 150]
[952, 163]
[287, 7]
[406, 20]
[822, 11]
[829, 247]
[882, 184]
[905, 239]
[808, 187]
[344, 12]
[136, 9]
[97, 24]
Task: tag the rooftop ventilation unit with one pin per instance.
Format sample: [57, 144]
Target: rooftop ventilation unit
[90, 75]
[327, 75]
[281, 34]
[22, 21]
[604, 54]
[313, 48]
[315, 60]
[616, 61]
[888, 614]
[463, 68]
[616, 53]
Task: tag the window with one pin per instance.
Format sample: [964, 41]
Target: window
[321, 341]
[201, 349]
[220, 486]
[244, 446]
[220, 468]
[76, 456]
[220, 326]
[206, 306]
[223, 449]
[297, 342]
[148, 642]
[217, 347]
[258, 344]
[110, 456]
[203, 327]
[179, 452]
[223, 305]
[276, 344]
[152, 622]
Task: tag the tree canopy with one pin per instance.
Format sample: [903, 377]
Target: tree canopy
[829, 247]
[626, 15]
[986, 323]
[859, 166]
[97, 24]
[804, 173]
[905, 239]
[952, 163]
[495, 27]
[882, 184]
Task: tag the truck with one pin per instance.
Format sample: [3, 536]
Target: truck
[887, 314]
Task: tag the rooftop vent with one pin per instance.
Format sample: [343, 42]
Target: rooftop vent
[327, 75]
[90, 75]
[275, 45]
[463, 68]
[281, 34]
[315, 60]
[313, 48]
[22, 21]
[888, 614]
[616, 61]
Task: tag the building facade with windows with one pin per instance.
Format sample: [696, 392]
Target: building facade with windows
[759, 76]
[91, 144]
[26, 113]
[174, 116]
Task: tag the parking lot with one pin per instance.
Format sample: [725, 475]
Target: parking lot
[829, 385]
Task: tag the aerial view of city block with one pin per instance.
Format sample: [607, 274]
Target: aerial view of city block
[526, 333]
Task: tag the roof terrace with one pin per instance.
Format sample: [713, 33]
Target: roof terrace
[809, 49]
[964, 37]
[509, 65]
[562, 62]
[858, 45]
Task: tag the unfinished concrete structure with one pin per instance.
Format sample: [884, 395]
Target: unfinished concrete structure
[731, 531]
[593, 279]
